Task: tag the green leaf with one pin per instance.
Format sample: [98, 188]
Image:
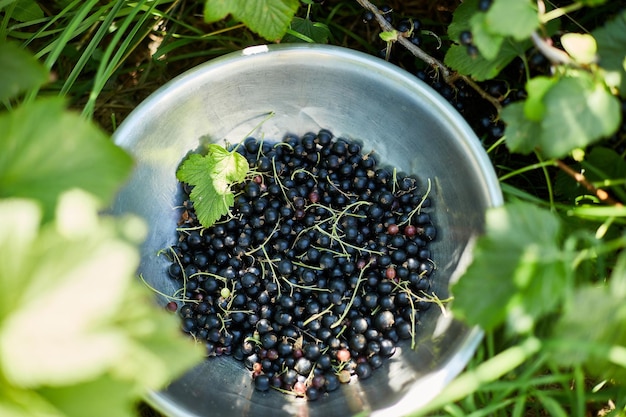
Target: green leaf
[478, 67]
[487, 42]
[579, 112]
[27, 10]
[215, 10]
[101, 397]
[268, 18]
[45, 150]
[611, 40]
[593, 320]
[515, 18]
[83, 262]
[575, 111]
[157, 352]
[5, 3]
[211, 176]
[60, 268]
[519, 261]
[534, 109]
[581, 47]
[19, 226]
[520, 133]
[17, 402]
[460, 18]
[310, 31]
[19, 71]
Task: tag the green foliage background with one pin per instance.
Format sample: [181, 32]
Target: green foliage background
[551, 257]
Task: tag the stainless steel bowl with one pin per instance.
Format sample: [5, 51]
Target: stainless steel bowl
[310, 87]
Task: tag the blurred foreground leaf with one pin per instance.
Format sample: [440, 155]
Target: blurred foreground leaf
[45, 150]
[517, 272]
[19, 71]
[593, 325]
[77, 329]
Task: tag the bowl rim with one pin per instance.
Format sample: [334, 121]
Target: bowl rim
[414, 398]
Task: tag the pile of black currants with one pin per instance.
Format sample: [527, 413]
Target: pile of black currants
[322, 266]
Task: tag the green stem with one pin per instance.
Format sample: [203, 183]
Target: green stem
[488, 371]
[541, 164]
[354, 293]
[546, 174]
[560, 11]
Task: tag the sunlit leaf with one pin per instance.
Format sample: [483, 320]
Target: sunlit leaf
[64, 273]
[97, 326]
[211, 176]
[460, 18]
[581, 47]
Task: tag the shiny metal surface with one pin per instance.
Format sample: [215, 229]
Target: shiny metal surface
[355, 96]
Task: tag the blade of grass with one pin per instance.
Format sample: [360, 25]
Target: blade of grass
[71, 30]
[579, 392]
[14, 32]
[527, 168]
[454, 410]
[520, 405]
[110, 60]
[550, 404]
[7, 17]
[54, 49]
[494, 368]
[491, 409]
[91, 47]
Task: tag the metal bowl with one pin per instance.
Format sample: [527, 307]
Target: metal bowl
[309, 87]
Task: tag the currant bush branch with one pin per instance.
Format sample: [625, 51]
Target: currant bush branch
[415, 50]
[449, 76]
[582, 180]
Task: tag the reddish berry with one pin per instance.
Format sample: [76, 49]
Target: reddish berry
[343, 355]
[390, 272]
[393, 229]
[314, 197]
[299, 388]
[410, 231]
